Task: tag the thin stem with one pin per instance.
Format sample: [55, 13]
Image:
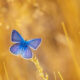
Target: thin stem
[60, 76]
[39, 68]
[55, 76]
[5, 71]
[71, 50]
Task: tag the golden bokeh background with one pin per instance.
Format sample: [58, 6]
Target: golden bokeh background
[57, 22]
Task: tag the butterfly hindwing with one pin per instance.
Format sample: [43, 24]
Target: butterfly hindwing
[16, 48]
[34, 43]
[16, 37]
[27, 53]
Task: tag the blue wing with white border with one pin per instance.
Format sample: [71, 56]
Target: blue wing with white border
[19, 49]
[27, 53]
[16, 37]
[34, 43]
[16, 48]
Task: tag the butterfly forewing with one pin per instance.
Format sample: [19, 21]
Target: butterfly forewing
[34, 43]
[16, 37]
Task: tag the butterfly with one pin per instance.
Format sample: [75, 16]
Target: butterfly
[22, 46]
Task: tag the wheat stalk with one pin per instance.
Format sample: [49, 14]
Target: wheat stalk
[39, 68]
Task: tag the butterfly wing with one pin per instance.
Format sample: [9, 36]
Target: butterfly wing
[34, 43]
[16, 48]
[16, 37]
[27, 53]
[19, 49]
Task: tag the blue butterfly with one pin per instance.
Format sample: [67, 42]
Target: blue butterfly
[22, 46]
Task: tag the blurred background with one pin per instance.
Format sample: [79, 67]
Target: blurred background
[57, 22]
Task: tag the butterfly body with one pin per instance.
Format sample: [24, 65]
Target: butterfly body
[22, 46]
[24, 43]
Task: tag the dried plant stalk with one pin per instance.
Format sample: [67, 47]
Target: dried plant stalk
[5, 71]
[71, 50]
[39, 68]
[55, 76]
[60, 76]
